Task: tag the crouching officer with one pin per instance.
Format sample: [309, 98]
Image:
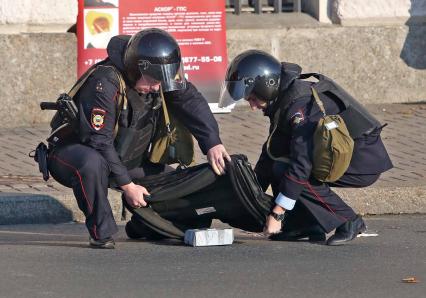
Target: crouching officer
[311, 208]
[112, 136]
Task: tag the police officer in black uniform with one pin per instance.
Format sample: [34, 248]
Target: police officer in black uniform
[311, 208]
[99, 154]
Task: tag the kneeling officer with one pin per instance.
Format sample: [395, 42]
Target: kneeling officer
[112, 138]
[286, 162]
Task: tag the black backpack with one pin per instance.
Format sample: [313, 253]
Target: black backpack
[190, 198]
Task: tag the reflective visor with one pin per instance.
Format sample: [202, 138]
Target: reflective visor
[170, 75]
[233, 91]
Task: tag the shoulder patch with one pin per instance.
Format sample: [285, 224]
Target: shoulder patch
[98, 118]
[297, 118]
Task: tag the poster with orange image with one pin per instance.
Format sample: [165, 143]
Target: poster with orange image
[198, 27]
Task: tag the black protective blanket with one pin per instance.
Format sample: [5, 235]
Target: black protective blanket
[192, 197]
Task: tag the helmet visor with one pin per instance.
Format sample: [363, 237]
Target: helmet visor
[171, 75]
[233, 91]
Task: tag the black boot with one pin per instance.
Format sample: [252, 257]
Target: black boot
[348, 231]
[107, 243]
[314, 233]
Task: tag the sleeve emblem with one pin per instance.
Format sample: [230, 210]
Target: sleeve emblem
[98, 118]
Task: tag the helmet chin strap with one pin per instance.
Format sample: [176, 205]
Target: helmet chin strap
[269, 106]
[270, 103]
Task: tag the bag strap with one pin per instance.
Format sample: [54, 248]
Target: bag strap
[268, 141]
[81, 81]
[165, 111]
[318, 101]
[121, 99]
[276, 117]
[268, 151]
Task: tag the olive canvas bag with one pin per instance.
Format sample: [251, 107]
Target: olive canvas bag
[333, 146]
[172, 143]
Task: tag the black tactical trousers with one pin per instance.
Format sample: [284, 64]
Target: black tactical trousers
[85, 171]
[318, 204]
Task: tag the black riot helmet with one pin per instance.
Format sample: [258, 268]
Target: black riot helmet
[252, 72]
[156, 54]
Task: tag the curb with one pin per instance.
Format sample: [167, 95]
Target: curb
[385, 200]
[49, 207]
[60, 207]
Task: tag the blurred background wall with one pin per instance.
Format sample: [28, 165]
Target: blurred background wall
[373, 48]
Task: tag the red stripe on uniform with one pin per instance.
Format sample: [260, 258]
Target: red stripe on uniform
[316, 195]
[82, 188]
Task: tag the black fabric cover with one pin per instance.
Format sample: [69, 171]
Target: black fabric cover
[178, 199]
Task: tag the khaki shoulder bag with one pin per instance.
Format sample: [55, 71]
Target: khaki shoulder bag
[333, 146]
[172, 143]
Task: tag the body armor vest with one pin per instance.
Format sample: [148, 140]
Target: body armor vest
[136, 126]
[358, 120]
[136, 121]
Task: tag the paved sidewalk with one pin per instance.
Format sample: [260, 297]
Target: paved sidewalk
[401, 190]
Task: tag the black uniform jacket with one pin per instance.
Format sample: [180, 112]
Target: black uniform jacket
[294, 139]
[97, 103]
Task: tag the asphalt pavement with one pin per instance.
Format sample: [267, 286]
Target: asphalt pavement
[55, 261]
